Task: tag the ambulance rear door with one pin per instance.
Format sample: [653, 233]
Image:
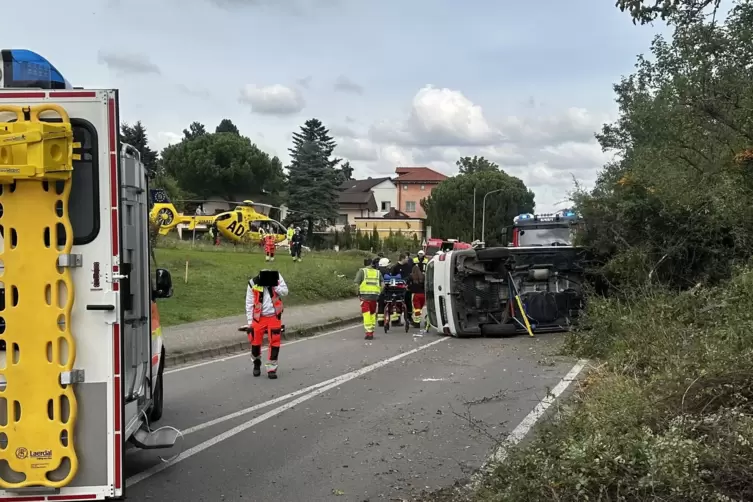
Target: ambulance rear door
[77, 452]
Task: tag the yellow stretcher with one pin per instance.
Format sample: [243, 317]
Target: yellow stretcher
[36, 164]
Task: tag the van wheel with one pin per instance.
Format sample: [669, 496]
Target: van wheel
[158, 400]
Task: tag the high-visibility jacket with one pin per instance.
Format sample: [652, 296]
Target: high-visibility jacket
[291, 231]
[370, 283]
[259, 301]
[420, 263]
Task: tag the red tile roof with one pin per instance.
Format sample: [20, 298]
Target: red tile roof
[418, 174]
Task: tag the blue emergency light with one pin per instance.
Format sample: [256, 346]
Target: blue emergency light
[23, 68]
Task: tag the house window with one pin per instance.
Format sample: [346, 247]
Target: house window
[385, 205]
[342, 219]
[405, 187]
[410, 206]
[423, 187]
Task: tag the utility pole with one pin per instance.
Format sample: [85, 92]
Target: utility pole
[474, 214]
[483, 214]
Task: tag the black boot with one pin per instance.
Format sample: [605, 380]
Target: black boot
[272, 374]
[257, 367]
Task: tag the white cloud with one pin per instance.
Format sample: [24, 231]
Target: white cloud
[128, 63]
[342, 131]
[356, 149]
[439, 117]
[163, 139]
[274, 99]
[572, 124]
[545, 148]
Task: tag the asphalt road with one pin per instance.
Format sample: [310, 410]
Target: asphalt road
[380, 420]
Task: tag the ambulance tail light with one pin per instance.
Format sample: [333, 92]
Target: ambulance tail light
[23, 68]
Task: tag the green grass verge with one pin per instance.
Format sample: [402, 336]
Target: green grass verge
[217, 279]
[666, 413]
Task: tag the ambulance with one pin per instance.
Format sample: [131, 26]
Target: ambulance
[535, 285]
[81, 349]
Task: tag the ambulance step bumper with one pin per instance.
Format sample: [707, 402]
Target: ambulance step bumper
[164, 437]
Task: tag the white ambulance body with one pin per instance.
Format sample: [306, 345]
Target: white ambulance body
[475, 292]
[81, 350]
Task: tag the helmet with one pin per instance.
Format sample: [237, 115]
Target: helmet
[421, 252]
[384, 262]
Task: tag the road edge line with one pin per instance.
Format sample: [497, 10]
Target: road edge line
[524, 427]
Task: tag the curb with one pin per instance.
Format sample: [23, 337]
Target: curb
[172, 360]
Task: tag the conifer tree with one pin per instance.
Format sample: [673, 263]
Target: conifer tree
[312, 176]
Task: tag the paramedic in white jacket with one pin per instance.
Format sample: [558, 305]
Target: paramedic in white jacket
[264, 316]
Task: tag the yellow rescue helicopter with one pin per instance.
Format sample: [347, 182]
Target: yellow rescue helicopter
[241, 224]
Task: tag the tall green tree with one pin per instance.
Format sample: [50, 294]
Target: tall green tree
[472, 165]
[346, 171]
[226, 125]
[449, 209]
[312, 177]
[194, 130]
[136, 136]
[647, 11]
[675, 207]
[224, 165]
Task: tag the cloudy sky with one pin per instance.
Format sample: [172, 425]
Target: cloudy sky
[409, 83]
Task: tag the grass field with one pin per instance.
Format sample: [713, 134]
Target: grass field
[217, 279]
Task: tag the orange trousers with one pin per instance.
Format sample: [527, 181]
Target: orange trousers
[419, 301]
[272, 327]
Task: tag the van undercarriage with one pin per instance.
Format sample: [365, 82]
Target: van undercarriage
[485, 282]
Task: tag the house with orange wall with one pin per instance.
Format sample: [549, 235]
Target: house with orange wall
[413, 185]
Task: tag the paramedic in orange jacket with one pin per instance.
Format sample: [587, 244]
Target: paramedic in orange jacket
[264, 316]
[269, 247]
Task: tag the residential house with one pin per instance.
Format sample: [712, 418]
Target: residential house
[372, 197]
[413, 185]
[356, 200]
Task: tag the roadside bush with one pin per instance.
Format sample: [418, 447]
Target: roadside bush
[667, 416]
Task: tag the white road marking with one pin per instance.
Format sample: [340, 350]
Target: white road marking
[137, 478]
[519, 432]
[228, 358]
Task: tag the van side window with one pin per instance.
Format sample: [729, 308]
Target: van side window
[83, 205]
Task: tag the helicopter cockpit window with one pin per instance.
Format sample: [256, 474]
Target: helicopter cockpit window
[223, 216]
[254, 226]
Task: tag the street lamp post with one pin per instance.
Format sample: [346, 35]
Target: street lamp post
[474, 214]
[483, 213]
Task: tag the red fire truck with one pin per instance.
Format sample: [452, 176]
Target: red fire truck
[434, 245]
